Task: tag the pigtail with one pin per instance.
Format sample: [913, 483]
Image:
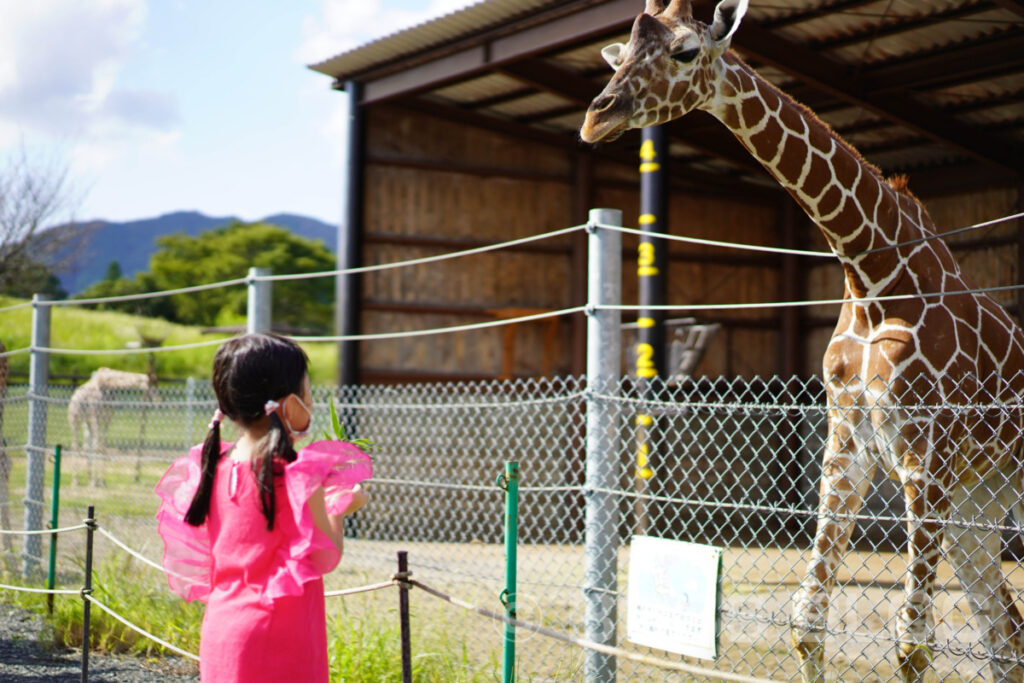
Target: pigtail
[275, 444]
[200, 506]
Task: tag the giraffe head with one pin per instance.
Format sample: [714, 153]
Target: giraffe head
[665, 70]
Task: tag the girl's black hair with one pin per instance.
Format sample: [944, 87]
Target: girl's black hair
[247, 372]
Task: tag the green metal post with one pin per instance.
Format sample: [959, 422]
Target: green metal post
[510, 482]
[54, 517]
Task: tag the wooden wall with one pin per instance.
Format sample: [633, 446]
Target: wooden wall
[415, 207]
[434, 186]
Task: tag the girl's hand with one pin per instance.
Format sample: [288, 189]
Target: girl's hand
[360, 497]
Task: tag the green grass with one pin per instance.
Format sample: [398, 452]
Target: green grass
[363, 644]
[74, 327]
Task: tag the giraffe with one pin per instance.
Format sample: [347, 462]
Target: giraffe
[894, 370]
[5, 459]
[90, 410]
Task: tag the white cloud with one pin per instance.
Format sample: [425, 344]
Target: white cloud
[59, 66]
[345, 24]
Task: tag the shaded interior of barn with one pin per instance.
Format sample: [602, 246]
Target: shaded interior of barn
[468, 135]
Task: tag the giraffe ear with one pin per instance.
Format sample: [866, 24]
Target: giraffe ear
[727, 20]
[654, 7]
[613, 55]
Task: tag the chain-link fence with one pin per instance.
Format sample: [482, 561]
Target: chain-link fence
[734, 463]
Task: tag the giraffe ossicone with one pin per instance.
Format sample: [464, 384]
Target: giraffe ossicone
[903, 376]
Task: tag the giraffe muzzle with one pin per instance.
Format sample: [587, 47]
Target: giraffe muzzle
[605, 119]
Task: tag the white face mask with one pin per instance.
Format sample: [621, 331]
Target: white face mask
[275, 407]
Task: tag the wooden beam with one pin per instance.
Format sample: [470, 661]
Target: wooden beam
[457, 244]
[486, 54]
[972, 61]
[1015, 6]
[476, 170]
[619, 151]
[844, 83]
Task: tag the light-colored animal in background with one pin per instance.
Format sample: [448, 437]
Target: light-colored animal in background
[896, 370]
[91, 408]
[5, 460]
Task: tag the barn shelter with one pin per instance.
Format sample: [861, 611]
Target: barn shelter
[463, 131]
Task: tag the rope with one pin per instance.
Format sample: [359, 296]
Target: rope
[421, 261]
[139, 556]
[443, 330]
[15, 306]
[436, 485]
[927, 238]
[138, 629]
[145, 295]
[361, 589]
[127, 352]
[448, 406]
[40, 532]
[589, 644]
[794, 304]
[26, 589]
[800, 252]
[717, 243]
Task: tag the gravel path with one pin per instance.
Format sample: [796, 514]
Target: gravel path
[24, 658]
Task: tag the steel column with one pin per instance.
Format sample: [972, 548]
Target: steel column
[348, 287]
[601, 519]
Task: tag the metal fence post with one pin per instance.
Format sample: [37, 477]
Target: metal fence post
[403, 616]
[510, 482]
[51, 571]
[90, 528]
[601, 514]
[35, 449]
[259, 312]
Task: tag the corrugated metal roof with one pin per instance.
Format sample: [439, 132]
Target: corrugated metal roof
[466, 21]
[909, 47]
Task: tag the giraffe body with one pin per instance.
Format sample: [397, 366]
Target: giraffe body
[899, 373]
[90, 410]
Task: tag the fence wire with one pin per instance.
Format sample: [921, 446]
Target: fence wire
[734, 463]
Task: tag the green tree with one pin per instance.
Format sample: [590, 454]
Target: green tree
[116, 285]
[228, 253]
[33, 278]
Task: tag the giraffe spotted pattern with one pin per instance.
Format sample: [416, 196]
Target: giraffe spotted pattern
[903, 376]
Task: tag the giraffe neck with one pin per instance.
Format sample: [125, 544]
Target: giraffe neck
[843, 194]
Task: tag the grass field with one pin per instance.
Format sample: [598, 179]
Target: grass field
[74, 327]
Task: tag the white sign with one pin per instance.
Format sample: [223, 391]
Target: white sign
[673, 596]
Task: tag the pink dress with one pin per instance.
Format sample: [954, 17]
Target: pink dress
[263, 590]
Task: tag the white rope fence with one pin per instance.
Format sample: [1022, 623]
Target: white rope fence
[139, 629]
[403, 582]
[508, 321]
[591, 645]
[427, 259]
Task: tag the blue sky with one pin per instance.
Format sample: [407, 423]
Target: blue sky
[164, 105]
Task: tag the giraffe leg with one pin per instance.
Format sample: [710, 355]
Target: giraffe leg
[974, 554]
[846, 476]
[927, 507]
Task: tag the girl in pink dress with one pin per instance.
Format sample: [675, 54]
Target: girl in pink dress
[250, 528]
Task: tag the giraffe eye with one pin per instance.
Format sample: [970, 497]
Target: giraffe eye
[686, 56]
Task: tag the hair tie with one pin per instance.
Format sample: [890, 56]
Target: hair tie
[217, 417]
[270, 407]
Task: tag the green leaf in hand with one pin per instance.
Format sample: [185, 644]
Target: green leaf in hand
[340, 434]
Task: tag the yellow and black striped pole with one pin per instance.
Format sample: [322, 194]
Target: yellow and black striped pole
[650, 349]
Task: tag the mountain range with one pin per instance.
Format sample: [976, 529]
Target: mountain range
[132, 243]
